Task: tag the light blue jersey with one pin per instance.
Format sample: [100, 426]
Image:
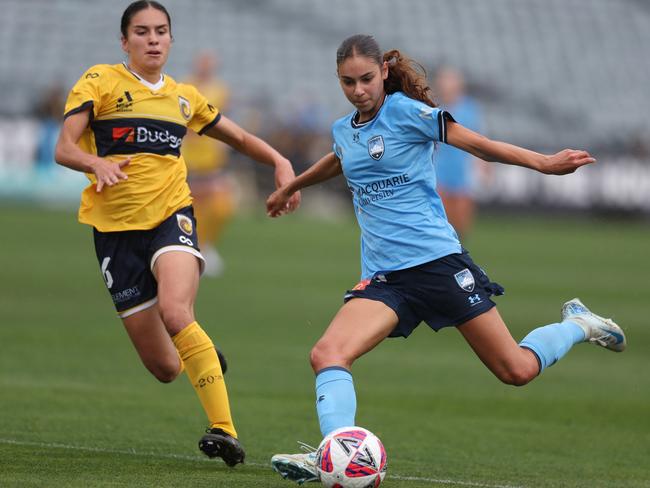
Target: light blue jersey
[388, 164]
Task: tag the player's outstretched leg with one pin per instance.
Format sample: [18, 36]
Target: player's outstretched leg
[598, 330]
[300, 468]
[217, 443]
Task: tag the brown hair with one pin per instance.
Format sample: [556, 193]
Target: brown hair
[404, 74]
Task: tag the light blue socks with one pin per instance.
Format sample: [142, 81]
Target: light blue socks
[551, 342]
[336, 401]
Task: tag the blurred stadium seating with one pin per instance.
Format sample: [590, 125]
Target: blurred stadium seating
[549, 73]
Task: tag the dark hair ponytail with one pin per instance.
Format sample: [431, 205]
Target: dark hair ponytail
[404, 74]
[135, 7]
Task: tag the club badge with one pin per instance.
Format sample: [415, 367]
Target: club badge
[376, 147]
[465, 280]
[184, 223]
[184, 105]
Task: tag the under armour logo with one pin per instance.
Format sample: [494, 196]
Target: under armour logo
[474, 299]
[355, 137]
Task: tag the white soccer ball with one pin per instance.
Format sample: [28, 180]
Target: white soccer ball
[351, 457]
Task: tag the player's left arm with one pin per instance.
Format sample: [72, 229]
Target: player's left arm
[561, 163]
[252, 146]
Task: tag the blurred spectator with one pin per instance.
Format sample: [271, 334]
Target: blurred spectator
[456, 169]
[206, 158]
[49, 114]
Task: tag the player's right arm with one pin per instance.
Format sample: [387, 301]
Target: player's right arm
[329, 166]
[69, 154]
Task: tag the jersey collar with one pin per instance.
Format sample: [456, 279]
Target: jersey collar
[355, 116]
[152, 86]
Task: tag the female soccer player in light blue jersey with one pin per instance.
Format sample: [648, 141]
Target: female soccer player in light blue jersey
[413, 267]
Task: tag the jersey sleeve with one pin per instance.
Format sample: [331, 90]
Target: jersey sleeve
[86, 93]
[204, 114]
[336, 148]
[337, 151]
[420, 122]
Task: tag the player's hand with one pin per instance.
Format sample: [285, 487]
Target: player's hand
[283, 176]
[109, 173]
[566, 162]
[277, 203]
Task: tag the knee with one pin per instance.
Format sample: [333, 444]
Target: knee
[174, 316]
[324, 355]
[165, 372]
[518, 375]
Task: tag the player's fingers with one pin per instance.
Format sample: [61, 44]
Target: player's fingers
[121, 164]
[292, 204]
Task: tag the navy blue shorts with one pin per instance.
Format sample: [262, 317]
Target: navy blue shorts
[446, 292]
[127, 258]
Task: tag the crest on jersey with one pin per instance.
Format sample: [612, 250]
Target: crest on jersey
[184, 223]
[184, 105]
[465, 280]
[376, 147]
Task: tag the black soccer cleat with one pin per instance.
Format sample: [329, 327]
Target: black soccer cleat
[217, 443]
[222, 361]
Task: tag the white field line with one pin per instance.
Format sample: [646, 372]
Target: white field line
[133, 452]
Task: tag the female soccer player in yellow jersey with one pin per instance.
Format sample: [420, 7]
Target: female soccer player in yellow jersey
[123, 127]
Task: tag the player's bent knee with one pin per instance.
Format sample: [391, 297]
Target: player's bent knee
[165, 372]
[165, 376]
[323, 355]
[517, 376]
[175, 317]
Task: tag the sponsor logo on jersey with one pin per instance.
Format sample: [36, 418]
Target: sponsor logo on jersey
[465, 280]
[376, 147]
[132, 136]
[126, 294]
[184, 105]
[144, 134]
[124, 134]
[125, 103]
[184, 224]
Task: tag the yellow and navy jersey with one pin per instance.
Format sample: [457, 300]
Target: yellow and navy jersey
[204, 155]
[129, 119]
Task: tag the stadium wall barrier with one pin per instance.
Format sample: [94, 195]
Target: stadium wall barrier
[619, 184]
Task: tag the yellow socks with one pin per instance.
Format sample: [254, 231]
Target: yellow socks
[204, 371]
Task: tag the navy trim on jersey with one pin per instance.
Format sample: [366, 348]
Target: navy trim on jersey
[211, 124]
[358, 125]
[81, 108]
[443, 117]
[137, 135]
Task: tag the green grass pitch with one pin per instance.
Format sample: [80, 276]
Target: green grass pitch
[78, 409]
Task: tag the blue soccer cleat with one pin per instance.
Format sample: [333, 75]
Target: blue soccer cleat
[598, 330]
